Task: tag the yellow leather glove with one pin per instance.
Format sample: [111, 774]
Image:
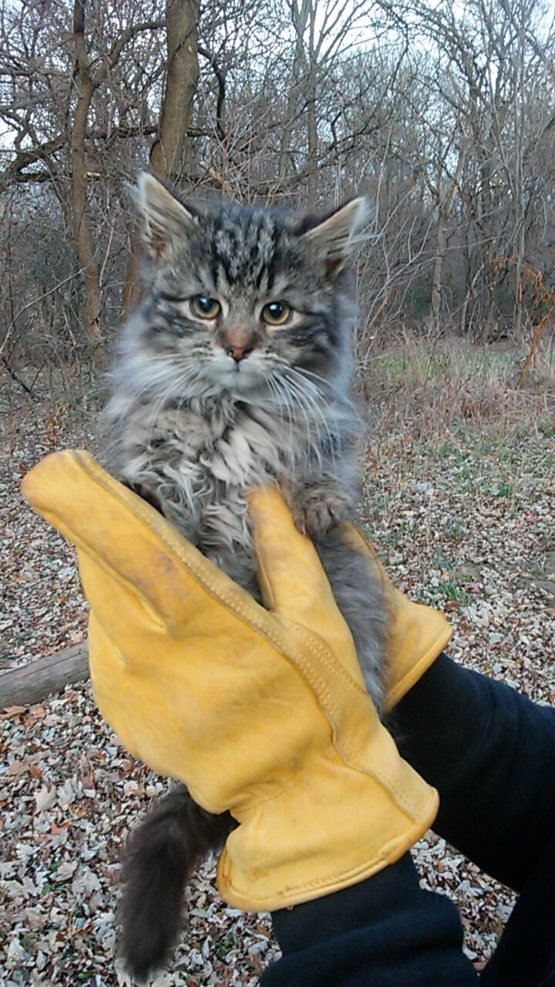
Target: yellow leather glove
[262, 712]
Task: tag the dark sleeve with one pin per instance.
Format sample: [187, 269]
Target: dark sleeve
[490, 752]
[383, 932]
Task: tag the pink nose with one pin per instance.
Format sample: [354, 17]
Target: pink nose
[239, 352]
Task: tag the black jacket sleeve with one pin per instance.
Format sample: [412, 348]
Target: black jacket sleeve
[490, 752]
[384, 932]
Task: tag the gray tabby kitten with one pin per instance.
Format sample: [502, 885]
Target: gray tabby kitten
[234, 372]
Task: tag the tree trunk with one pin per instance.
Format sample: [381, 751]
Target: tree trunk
[312, 135]
[519, 204]
[437, 272]
[168, 152]
[81, 226]
[299, 15]
[445, 196]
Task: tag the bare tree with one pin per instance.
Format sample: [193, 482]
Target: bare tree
[170, 154]
[444, 115]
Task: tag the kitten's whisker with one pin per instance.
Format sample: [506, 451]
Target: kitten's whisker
[334, 412]
[294, 393]
[336, 391]
[307, 406]
[162, 374]
[319, 414]
[306, 374]
[283, 403]
[186, 377]
[274, 391]
[324, 398]
[288, 403]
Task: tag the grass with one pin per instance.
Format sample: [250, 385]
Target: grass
[451, 409]
[419, 360]
[441, 592]
[459, 463]
[505, 490]
[432, 389]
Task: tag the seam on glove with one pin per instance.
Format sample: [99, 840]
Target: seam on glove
[238, 602]
[387, 854]
[256, 616]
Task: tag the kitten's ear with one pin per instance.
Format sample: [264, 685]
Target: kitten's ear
[335, 236]
[166, 219]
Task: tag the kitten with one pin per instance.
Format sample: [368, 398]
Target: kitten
[234, 372]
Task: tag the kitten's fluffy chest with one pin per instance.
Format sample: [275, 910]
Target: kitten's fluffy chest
[200, 460]
[234, 444]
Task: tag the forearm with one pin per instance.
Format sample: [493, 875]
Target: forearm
[385, 931]
[490, 752]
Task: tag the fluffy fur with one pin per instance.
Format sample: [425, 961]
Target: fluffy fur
[235, 372]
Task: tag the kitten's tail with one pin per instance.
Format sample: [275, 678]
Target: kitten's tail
[158, 861]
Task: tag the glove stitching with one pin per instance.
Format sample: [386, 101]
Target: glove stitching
[257, 617]
[387, 854]
[246, 608]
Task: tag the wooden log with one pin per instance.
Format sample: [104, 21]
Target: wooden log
[42, 677]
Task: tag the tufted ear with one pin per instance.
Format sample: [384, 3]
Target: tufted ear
[166, 219]
[334, 236]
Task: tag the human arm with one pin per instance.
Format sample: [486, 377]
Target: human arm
[385, 932]
[491, 754]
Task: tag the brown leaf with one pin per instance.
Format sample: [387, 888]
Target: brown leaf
[35, 713]
[10, 712]
[17, 768]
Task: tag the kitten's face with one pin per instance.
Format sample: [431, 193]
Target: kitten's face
[242, 298]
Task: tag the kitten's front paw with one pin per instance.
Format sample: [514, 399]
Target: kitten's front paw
[316, 510]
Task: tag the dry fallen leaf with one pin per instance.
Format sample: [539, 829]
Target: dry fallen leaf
[45, 798]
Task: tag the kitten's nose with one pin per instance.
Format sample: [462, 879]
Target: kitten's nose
[238, 342]
[238, 352]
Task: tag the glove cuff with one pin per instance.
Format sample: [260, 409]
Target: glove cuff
[418, 636]
[334, 827]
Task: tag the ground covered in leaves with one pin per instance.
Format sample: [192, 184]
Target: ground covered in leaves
[462, 515]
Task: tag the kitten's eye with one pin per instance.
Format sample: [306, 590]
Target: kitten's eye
[276, 313]
[205, 307]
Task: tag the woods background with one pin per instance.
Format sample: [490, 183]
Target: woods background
[444, 113]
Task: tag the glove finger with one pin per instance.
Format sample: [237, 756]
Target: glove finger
[293, 582]
[129, 539]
